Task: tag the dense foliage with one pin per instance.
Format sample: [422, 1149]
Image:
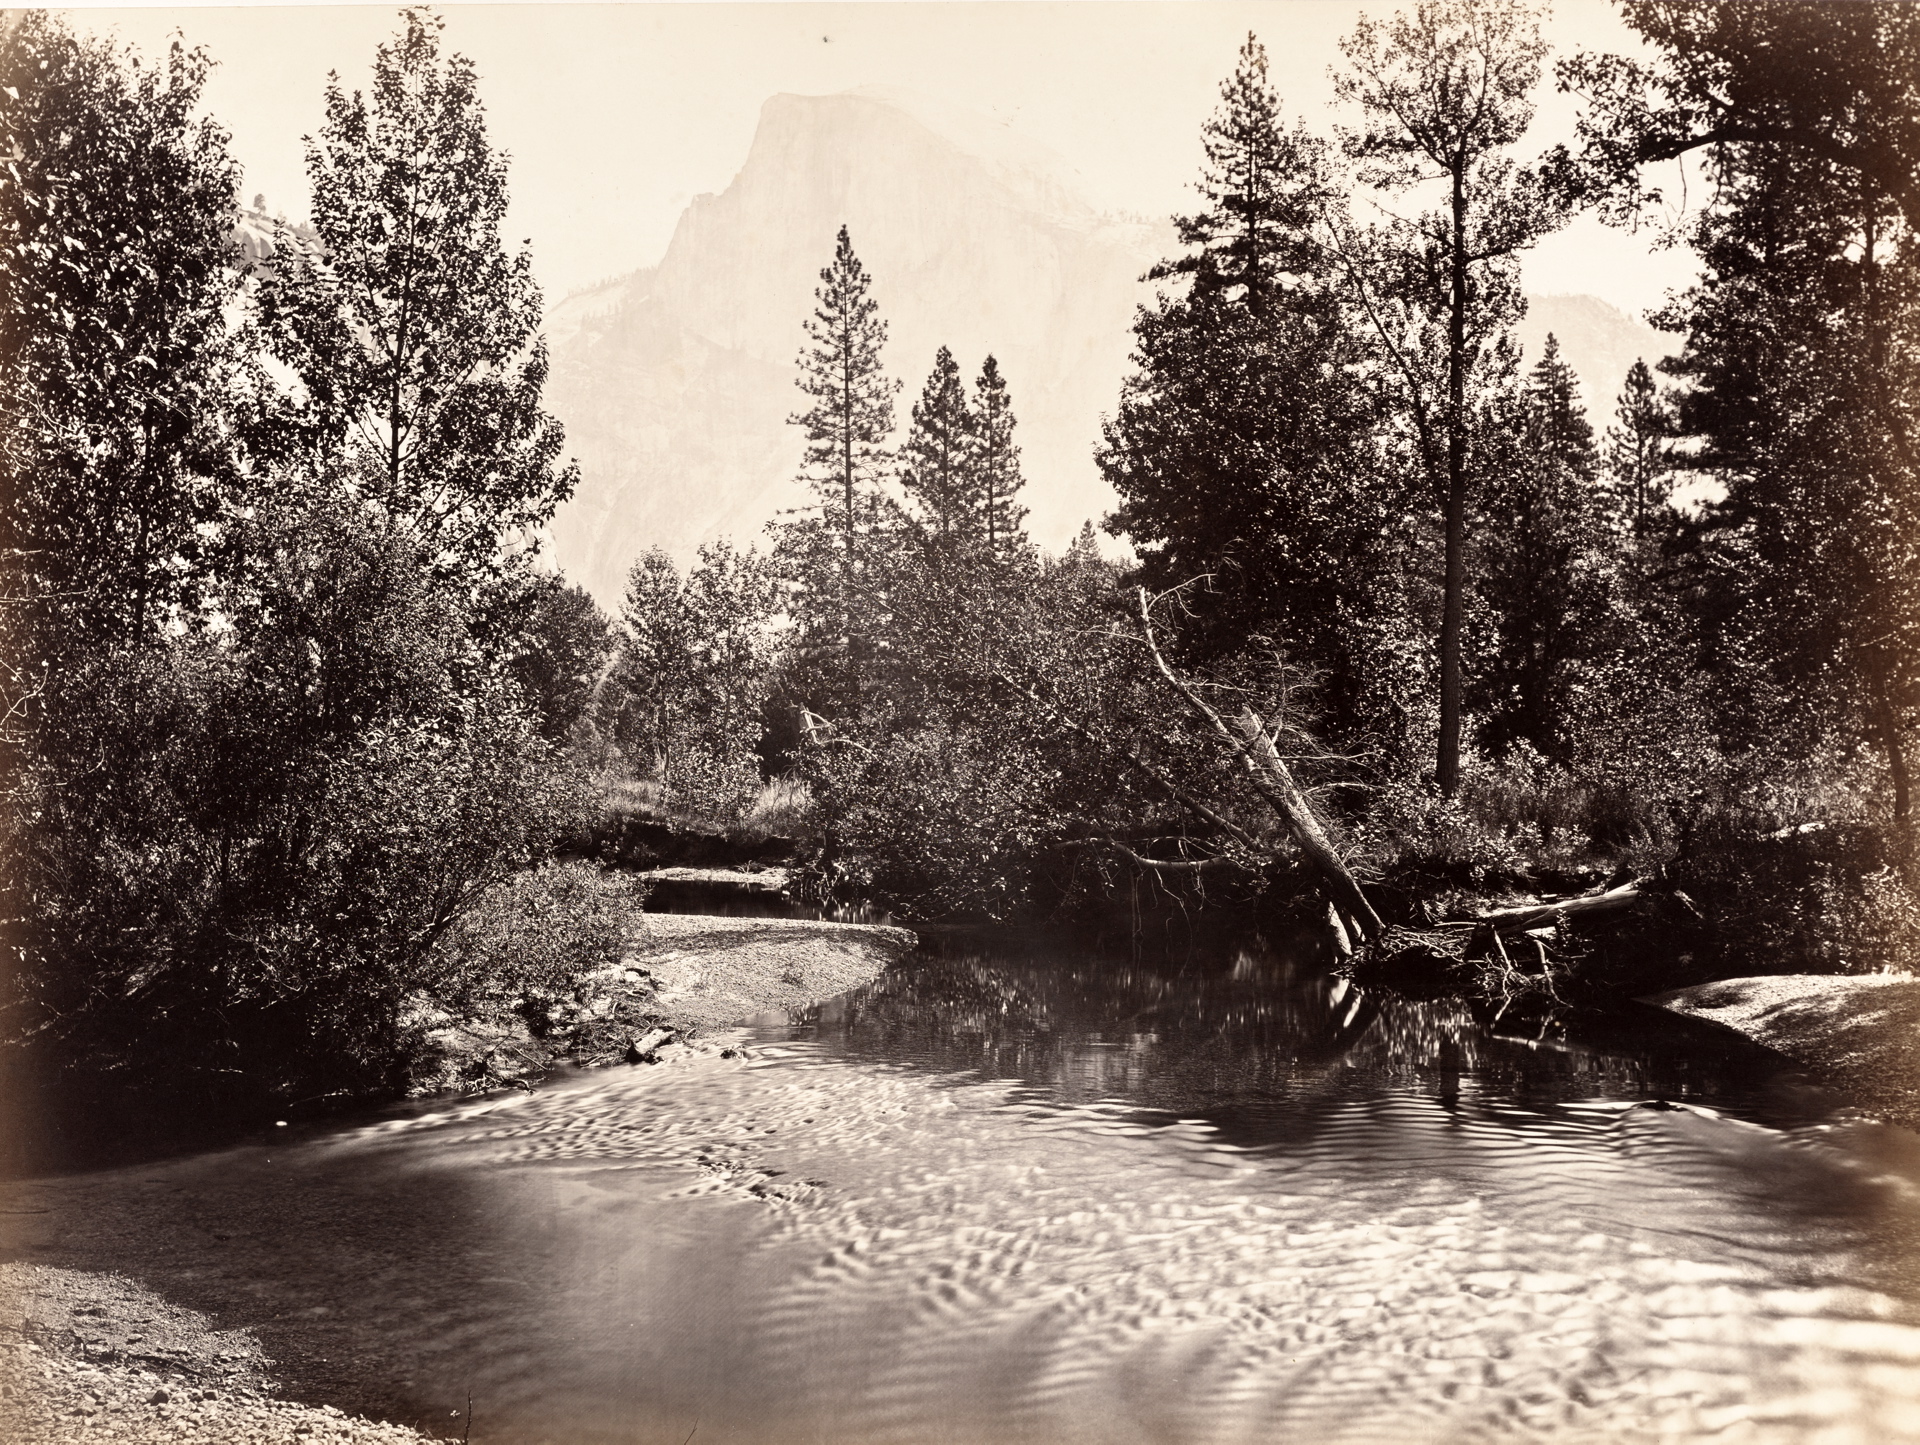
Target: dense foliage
[279, 712]
[1493, 643]
[290, 719]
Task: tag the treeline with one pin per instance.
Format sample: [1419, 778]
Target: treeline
[291, 721]
[1500, 642]
[282, 683]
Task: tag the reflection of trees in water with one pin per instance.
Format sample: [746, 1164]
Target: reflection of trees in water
[1240, 1027]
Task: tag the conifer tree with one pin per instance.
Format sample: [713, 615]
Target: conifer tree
[1262, 189]
[1637, 448]
[996, 463]
[1559, 424]
[1243, 449]
[1543, 564]
[1446, 92]
[937, 463]
[833, 552]
[1800, 365]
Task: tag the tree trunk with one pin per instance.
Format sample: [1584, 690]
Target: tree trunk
[1536, 915]
[1452, 617]
[1886, 722]
[1264, 760]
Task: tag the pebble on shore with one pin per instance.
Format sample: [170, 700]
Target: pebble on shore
[88, 1357]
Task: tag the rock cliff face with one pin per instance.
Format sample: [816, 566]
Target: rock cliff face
[675, 383]
[1600, 342]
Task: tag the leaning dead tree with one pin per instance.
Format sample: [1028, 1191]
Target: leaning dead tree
[1250, 740]
[1502, 953]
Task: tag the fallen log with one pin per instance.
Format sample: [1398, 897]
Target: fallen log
[1536, 915]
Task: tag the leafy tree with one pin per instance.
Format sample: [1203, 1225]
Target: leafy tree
[562, 656]
[996, 462]
[1244, 448]
[279, 822]
[833, 552]
[119, 375]
[413, 331]
[1832, 82]
[1800, 355]
[1445, 90]
[696, 666]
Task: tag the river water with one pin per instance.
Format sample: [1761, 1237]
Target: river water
[1013, 1194]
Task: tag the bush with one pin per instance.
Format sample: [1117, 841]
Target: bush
[527, 946]
[1819, 896]
[939, 822]
[231, 856]
[784, 809]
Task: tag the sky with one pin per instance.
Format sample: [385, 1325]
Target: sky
[616, 116]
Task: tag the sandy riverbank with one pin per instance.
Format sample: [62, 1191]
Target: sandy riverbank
[97, 1355]
[1860, 1034]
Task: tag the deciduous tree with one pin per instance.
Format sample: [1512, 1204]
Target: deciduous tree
[120, 377]
[414, 332]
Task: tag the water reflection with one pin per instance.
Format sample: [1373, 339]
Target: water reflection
[1019, 1195]
[1255, 1023]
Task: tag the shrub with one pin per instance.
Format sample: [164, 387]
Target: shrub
[231, 855]
[526, 946]
[939, 822]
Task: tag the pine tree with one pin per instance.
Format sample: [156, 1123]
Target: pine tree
[937, 463]
[834, 552]
[996, 464]
[1543, 565]
[415, 333]
[1800, 362]
[1263, 190]
[1244, 449]
[1559, 425]
[1445, 91]
[1638, 449]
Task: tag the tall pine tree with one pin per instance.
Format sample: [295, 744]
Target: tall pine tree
[937, 471]
[1445, 89]
[1243, 448]
[996, 464]
[833, 552]
[1803, 350]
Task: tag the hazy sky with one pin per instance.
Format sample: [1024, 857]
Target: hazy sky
[617, 115]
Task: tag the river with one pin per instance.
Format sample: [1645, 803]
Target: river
[1024, 1193]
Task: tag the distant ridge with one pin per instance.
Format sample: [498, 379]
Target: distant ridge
[1599, 341]
[675, 383]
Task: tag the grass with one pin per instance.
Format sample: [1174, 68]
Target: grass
[783, 808]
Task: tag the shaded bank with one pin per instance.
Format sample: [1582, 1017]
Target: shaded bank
[1861, 1034]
